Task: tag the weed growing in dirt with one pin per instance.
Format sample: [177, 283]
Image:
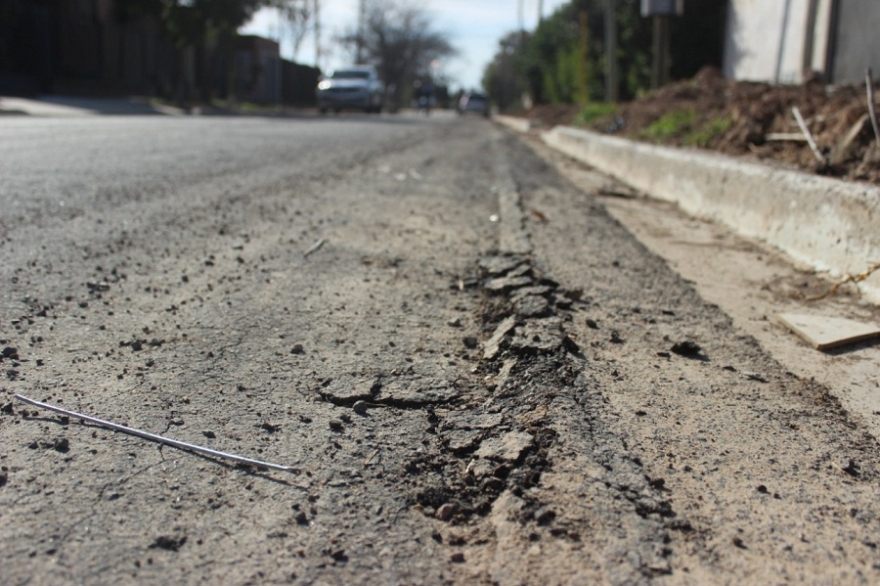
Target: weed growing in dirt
[708, 131]
[594, 111]
[670, 125]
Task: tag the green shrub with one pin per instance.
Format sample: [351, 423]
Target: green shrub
[704, 135]
[594, 111]
[670, 125]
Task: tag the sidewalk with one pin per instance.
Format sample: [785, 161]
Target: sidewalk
[62, 106]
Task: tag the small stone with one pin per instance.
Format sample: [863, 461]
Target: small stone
[455, 322]
[544, 515]
[686, 348]
[457, 558]
[852, 468]
[168, 543]
[591, 323]
[446, 511]
[297, 349]
[61, 444]
[345, 417]
[336, 425]
[360, 407]
[301, 518]
[209, 434]
[470, 342]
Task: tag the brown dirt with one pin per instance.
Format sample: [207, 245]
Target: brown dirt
[750, 112]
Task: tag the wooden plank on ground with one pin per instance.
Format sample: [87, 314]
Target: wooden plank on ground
[828, 332]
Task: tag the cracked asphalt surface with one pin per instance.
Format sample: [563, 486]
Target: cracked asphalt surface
[534, 399]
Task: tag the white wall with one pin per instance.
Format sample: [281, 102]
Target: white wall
[766, 39]
[857, 43]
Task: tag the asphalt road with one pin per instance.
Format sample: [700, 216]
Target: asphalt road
[476, 374]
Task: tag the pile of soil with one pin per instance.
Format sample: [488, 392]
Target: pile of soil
[748, 119]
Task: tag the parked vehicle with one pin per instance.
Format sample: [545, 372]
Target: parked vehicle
[473, 102]
[357, 87]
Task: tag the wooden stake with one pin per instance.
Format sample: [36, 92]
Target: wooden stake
[872, 109]
[803, 126]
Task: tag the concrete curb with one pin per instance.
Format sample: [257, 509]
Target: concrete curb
[831, 225]
[514, 123]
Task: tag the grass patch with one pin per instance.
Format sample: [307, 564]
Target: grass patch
[594, 111]
[704, 135]
[670, 125]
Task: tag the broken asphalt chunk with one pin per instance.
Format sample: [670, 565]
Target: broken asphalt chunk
[415, 393]
[541, 335]
[495, 266]
[507, 448]
[531, 306]
[348, 389]
[504, 284]
[493, 346]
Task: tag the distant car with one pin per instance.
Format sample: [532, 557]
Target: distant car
[357, 87]
[473, 102]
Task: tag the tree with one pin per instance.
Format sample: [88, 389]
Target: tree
[551, 64]
[399, 40]
[298, 14]
[208, 27]
[502, 77]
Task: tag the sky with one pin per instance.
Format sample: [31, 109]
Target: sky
[473, 26]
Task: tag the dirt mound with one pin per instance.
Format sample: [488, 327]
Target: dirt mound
[747, 119]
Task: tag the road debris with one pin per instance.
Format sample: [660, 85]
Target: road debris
[507, 447]
[157, 438]
[446, 511]
[872, 109]
[361, 407]
[687, 348]
[493, 346]
[824, 333]
[314, 248]
[850, 278]
[810, 140]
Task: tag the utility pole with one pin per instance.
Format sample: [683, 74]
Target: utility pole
[611, 78]
[662, 12]
[359, 47]
[317, 12]
[540, 11]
